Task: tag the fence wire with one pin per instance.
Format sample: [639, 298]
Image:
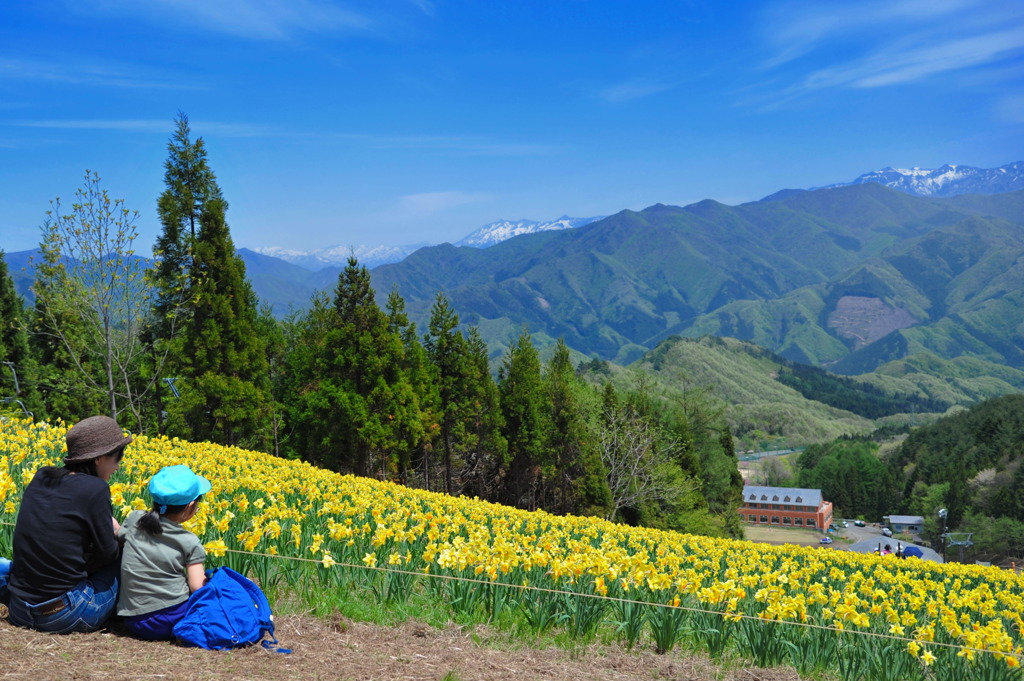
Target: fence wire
[611, 599]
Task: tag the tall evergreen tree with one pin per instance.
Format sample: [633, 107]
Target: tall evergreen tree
[446, 347]
[416, 438]
[17, 374]
[577, 473]
[225, 392]
[314, 391]
[522, 405]
[366, 352]
[352, 407]
[190, 185]
[485, 448]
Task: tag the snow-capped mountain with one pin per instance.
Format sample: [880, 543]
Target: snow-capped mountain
[337, 256]
[499, 231]
[371, 256]
[949, 180]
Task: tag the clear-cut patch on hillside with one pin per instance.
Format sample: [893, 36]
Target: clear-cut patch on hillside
[866, 319]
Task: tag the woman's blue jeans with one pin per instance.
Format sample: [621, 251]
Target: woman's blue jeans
[86, 607]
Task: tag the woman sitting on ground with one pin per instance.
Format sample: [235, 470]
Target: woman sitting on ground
[64, 572]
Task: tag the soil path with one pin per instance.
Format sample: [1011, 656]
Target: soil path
[341, 650]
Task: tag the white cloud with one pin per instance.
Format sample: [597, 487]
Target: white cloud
[796, 28]
[435, 202]
[151, 125]
[630, 90]
[256, 19]
[880, 44]
[957, 54]
[466, 146]
[1010, 109]
[73, 71]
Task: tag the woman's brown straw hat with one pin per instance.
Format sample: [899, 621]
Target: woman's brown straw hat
[94, 437]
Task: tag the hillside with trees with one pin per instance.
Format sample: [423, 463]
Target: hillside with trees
[847, 279]
[971, 464]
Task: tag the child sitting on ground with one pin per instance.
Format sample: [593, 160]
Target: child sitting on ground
[162, 563]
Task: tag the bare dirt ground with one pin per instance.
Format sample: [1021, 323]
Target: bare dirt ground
[340, 649]
[781, 535]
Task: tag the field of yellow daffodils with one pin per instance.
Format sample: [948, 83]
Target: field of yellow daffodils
[828, 613]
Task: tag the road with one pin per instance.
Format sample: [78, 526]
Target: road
[870, 538]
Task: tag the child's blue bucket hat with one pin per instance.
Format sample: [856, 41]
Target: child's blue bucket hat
[177, 486]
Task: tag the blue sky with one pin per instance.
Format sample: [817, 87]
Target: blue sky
[404, 121]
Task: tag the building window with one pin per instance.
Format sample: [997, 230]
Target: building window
[810, 522]
[799, 522]
[786, 520]
[775, 520]
[764, 519]
[753, 518]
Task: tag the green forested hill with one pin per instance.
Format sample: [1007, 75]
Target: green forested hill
[972, 464]
[954, 291]
[742, 381]
[848, 278]
[771, 402]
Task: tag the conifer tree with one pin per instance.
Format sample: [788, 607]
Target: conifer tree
[446, 347]
[351, 404]
[575, 465]
[17, 374]
[225, 387]
[417, 439]
[314, 392]
[190, 185]
[522, 405]
[486, 447]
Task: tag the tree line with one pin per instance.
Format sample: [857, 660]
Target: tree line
[179, 345]
[970, 464]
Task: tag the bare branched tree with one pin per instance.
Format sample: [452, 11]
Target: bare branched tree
[93, 293]
[637, 457]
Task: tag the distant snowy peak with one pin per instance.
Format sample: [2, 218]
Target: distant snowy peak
[372, 256]
[949, 180]
[499, 231]
[337, 256]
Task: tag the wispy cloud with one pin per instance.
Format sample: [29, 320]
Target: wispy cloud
[883, 43]
[428, 203]
[466, 146]
[635, 89]
[1010, 109]
[73, 71]
[255, 19]
[151, 125]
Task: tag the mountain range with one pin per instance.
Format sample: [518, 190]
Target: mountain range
[848, 278]
[372, 256]
[949, 180]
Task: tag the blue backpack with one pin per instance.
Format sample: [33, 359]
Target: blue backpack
[228, 612]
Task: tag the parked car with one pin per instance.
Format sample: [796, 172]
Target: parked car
[858, 523]
[826, 540]
[844, 524]
[886, 531]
